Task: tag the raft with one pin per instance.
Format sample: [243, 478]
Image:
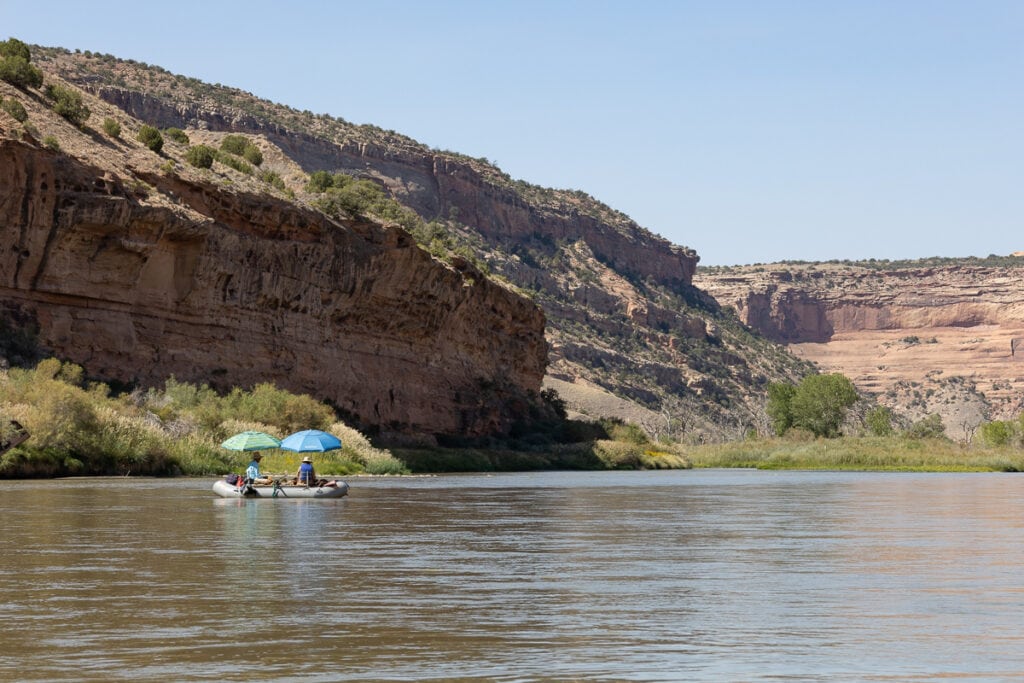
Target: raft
[333, 489]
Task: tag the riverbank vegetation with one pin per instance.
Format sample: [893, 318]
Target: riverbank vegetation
[613, 446]
[82, 427]
[878, 453]
[79, 427]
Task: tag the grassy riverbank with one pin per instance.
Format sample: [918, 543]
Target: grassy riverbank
[881, 454]
[79, 427]
[859, 453]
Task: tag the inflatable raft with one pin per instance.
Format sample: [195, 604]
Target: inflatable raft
[332, 489]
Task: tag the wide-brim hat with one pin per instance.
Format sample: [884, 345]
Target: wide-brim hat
[306, 458]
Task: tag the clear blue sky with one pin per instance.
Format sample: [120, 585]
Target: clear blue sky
[751, 131]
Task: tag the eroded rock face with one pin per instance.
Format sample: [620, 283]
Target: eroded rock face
[903, 334]
[436, 184]
[801, 303]
[199, 282]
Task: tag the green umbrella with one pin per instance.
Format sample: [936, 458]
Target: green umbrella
[251, 441]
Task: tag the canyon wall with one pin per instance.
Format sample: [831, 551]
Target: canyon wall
[436, 184]
[141, 278]
[813, 302]
[624, 321]
[945, 338]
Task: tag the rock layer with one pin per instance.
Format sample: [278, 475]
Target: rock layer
[811, 303]
[435, 184]
[164, 276]
[888, 328]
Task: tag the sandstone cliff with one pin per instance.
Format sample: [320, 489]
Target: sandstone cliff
[898, 330]
[138, 274]
[629, 335]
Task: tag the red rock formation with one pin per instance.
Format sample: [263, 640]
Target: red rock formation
[798, 303]
[200, 282]
[892, 328]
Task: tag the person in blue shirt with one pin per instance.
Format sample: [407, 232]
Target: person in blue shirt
[252, 472]
[306, 476]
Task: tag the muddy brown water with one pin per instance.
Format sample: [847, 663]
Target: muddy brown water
[673, 576]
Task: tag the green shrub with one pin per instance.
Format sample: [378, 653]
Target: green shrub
[234, 162]
[50, 142]
[240, 146]
[271, 405]
[20, 73]
[997, 433]
[879, 421]
[271, 178]
[252, 154]
[818, 404]
[12, 47]
[234, 144]
[626, 432]
[111, 127]
[265, 404]
[150, 137]
[347, 195]
[176, 134]
[15, 109]
[779, 406]
[201, 156]
[930, 427]
[15, 66]
[59, 414]
[319, 181]
[69, 104]
[619, 455]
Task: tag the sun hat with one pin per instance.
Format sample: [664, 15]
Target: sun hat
[306, 458]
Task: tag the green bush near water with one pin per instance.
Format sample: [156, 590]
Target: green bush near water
[818, 404]
[78, 427]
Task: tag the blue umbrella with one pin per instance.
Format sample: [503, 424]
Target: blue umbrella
[311, 440]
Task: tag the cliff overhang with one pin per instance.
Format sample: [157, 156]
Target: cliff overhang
[141, 278]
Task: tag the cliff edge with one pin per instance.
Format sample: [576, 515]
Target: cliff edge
[139, 268]
[931, 336]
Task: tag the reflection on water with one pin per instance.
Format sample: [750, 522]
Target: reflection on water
[701, 575]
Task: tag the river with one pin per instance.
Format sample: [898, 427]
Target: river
[702, 575]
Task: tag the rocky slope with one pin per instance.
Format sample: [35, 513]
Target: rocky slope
[926, 336]
[629, 335]
[138, 267]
